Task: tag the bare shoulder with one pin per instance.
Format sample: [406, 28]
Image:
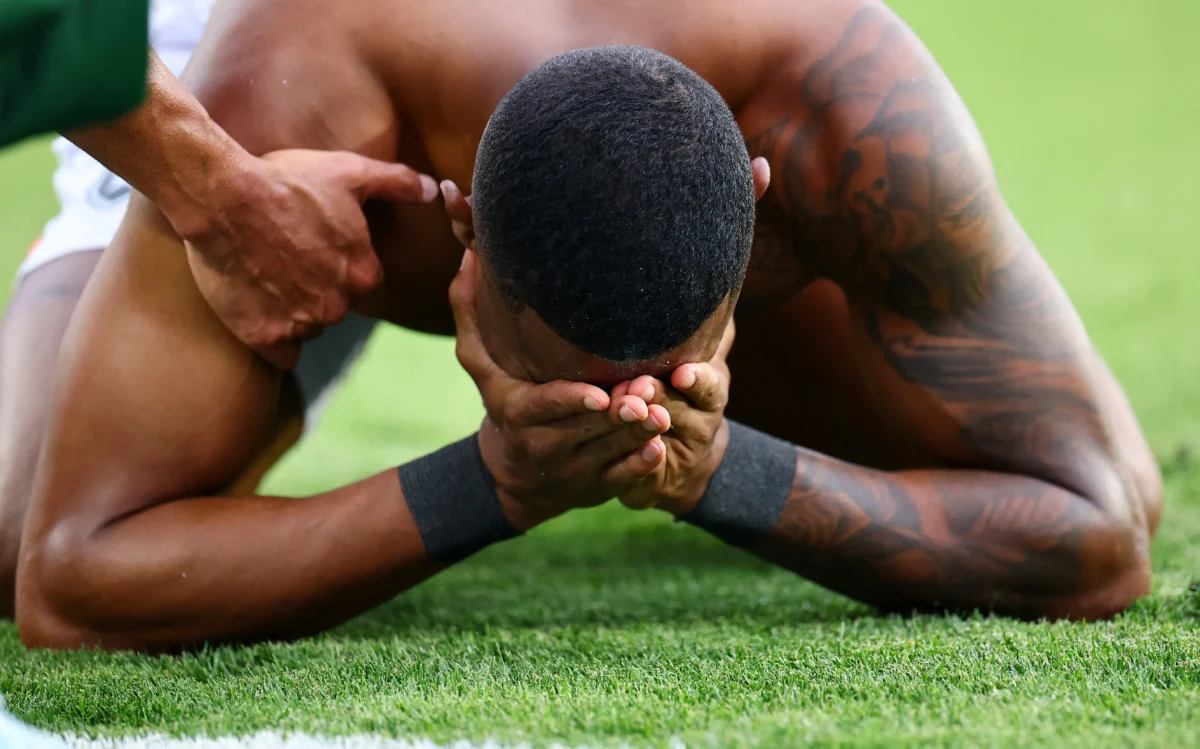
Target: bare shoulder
[882, 184]
[873, 154]
[292, 74]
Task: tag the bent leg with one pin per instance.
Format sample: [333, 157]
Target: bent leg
[34, 325]
[157, 409]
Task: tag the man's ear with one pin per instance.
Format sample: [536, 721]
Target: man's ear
[762, 177]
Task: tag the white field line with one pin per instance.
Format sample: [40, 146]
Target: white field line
[16, 735]
[272, 740]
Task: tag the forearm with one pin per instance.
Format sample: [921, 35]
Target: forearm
[222, 569]
[169, 149]
[219, 569]
[952, 540]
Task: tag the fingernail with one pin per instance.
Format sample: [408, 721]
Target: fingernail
[650, 452]
[648, 393]
[590, 403]
[463, 262]
[446, 185]
[650, 424]
[627, 414]
[429, 188]
[689, 379]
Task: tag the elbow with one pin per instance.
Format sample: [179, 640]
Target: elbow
[1114, 567]
[52, 588]
[1111, 596]
[1112, 552]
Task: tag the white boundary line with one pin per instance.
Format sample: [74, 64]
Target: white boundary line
[17, 735]
[275, 740]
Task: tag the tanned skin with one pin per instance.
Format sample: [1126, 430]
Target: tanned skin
[969, 343]
[963, 445]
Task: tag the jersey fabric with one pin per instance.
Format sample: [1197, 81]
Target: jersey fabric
[69, 63]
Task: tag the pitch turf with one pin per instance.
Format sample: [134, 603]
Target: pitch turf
[610, 627]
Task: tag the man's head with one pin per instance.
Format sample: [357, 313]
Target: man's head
[613, 203]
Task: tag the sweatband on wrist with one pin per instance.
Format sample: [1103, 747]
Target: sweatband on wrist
[452, 498]
[747, 493]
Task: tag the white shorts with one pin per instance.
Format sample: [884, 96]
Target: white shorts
[92, 204]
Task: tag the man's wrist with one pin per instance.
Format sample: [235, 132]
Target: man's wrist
[454, 503]
[198, 197]
[748, 491]
[683, 504]
[523, 515]
[171, 150]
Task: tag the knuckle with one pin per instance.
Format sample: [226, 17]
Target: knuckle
[511, 410]
[335, 309]
[539, 449]
[371, 274]
[267, 336]
[492, 415]
[252, 338]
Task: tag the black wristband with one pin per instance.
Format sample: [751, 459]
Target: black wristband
[452, 497]
[749, 489]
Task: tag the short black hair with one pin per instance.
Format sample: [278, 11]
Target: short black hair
[613, 195]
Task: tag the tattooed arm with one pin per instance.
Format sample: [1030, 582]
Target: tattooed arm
[1045, 505]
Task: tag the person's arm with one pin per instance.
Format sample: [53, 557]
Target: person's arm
[170, 150]
[66, 64]
[129, 544]
[284, 236]
[1047, 494]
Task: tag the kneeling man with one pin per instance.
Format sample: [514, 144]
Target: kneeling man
[915, 416]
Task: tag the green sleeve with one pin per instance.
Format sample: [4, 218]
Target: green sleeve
[69, 63]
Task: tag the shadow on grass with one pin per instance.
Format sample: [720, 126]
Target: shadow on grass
[609, 578]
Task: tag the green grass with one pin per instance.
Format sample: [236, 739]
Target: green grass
[612, 627]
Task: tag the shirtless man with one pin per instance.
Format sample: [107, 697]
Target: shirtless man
[952, 440]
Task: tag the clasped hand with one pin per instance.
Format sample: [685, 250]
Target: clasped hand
[561, 445]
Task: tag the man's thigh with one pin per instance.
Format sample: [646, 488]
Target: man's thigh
[154, 399]
[34, 324]
[795, 375]
[305, 394]
[33, 328]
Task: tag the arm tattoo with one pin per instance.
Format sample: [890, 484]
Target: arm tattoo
[950, 539]
[882, 184]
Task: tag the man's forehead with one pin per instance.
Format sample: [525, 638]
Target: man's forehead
[606, 374]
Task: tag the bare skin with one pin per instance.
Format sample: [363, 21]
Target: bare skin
[963, 445]
[33, 327]
[286, 233]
